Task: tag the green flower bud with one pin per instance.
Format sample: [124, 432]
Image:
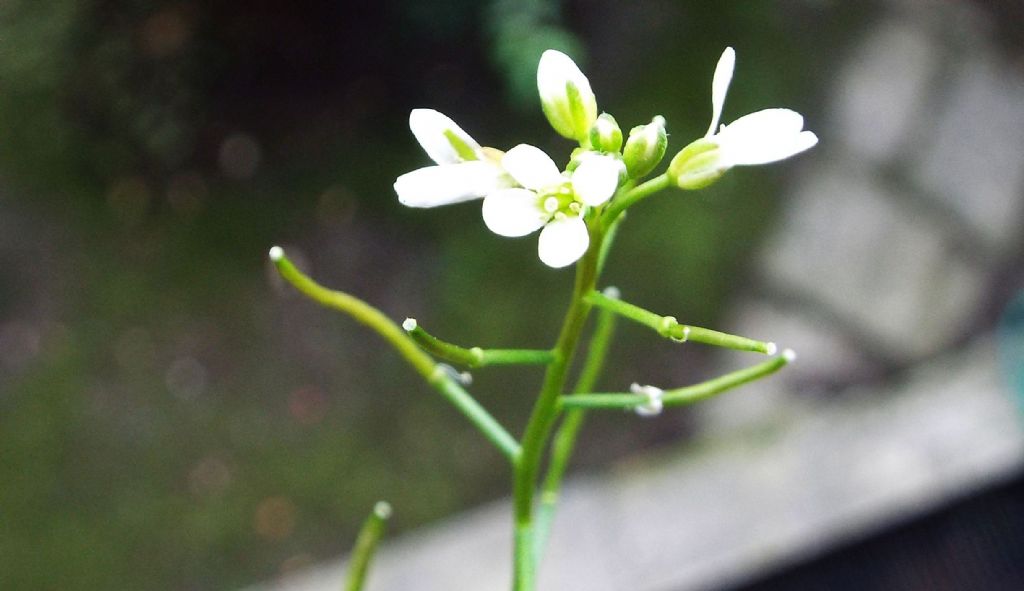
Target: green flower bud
[566, 96]
[605, 135]
[645, 147]
[697, 165]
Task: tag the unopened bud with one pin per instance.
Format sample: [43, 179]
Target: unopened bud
[605, 135]
[645, 147]
[566, 96]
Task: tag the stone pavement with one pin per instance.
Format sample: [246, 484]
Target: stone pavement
[902, 231]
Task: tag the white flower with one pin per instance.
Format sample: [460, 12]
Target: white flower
[565, 95]
[759, 138]
[544, 197]
[551, 200]
[464, 170]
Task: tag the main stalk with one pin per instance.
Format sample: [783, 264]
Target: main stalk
[545, 413]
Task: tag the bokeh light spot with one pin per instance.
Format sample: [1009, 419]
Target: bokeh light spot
[186, 378]
[308, 405]
[165, 33]
[210, 476]
[239, 156]
[274, 518]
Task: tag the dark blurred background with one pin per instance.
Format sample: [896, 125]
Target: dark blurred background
[171, 415]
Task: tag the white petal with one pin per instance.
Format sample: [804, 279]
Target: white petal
[513, 212]
[563, 242]
[555, 70]
[451, 183]
[765, 136]
[431, 129]
[594, 181]
[531, 167]
[766, 122]
[805, 140]
[720, 86]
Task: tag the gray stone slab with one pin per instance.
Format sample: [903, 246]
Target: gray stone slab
[581, 551]
[471, 551]
[973, 158]
[846, 244]
[825, 356]
[829, 473]
[876, 105]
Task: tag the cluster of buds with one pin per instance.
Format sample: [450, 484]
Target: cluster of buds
[524, 190]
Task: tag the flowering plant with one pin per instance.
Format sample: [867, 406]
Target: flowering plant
[578, 210]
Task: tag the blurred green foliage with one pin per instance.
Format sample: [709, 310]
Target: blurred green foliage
[171, 416]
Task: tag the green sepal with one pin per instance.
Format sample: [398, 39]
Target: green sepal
[697, 165]
[464, 150]
[645, 147]
[605, 134]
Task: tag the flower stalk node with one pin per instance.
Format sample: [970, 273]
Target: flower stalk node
[653, 405]
[666, 325]
[680, 336]
[462, 377]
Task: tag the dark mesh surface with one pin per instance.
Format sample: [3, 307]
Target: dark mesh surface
[975, 543]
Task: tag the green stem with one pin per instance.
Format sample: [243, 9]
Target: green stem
[681, 396]
[642, 191]
[424, 365]
[512, 357]
[670, 328]
[359, 310]
[366, 546]
[564, 441]
[545, 412]
[487, 424]
[597, 353]
[609, 238]
[474, 356]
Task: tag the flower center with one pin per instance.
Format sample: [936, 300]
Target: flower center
[559, 202]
